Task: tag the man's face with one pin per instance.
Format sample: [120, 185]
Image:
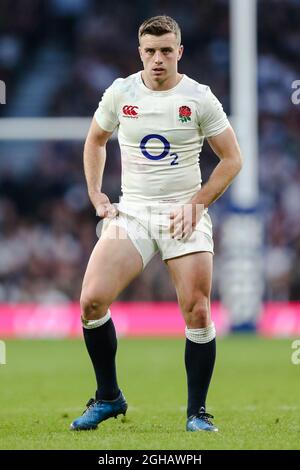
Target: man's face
[160, 55]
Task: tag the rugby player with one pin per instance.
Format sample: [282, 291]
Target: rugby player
[162, 117]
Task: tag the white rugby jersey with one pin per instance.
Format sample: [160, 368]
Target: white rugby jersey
[160, 134]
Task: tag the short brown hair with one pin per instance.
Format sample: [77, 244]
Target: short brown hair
[159, 25]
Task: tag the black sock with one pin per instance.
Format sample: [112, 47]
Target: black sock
[101, 343]
[199, 364]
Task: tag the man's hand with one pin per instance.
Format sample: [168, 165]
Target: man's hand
[103, 206]
[184, 220]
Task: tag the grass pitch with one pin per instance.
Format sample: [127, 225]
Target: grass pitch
[254, 396]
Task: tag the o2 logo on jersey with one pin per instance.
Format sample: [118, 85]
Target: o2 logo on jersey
[163, 154]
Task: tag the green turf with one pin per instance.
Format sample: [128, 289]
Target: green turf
[254, 396]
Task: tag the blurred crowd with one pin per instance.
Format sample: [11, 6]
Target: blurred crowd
[47, 224]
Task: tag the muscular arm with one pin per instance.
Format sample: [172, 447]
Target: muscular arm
[226, 147]
[94, 157]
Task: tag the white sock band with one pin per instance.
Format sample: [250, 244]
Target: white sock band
[90, 324]
[201, 335]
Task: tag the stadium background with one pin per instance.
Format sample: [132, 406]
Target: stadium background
[56, 58]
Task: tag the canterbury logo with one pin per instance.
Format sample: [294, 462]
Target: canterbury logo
[130, 110]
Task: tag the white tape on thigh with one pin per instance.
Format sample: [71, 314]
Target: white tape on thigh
[90, 324]
[201, 335]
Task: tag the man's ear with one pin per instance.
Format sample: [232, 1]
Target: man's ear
[140, 52]
[180, 52]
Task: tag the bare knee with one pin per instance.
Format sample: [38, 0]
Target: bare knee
[197, 312]
[93, 305]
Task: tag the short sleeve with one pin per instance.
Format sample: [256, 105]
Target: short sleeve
[213, 119]
[105, 114]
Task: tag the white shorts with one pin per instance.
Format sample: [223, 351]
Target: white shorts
[148, 227]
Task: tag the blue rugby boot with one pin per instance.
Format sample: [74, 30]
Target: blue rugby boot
[98, 411]
[201, 422]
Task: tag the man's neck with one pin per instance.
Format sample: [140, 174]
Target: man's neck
[167, 84]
